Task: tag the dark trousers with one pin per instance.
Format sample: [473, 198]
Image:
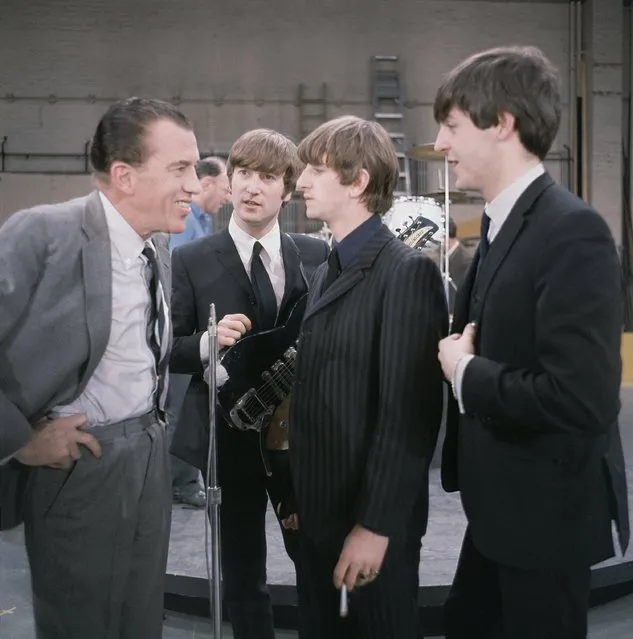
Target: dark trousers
[185, 478]
[97, 537]
[245, 493]
[385, 609]
[491, 601]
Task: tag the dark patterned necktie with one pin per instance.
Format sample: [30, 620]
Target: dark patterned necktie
[156, 326]
[263, 289]
[484, 244]
[333, 269]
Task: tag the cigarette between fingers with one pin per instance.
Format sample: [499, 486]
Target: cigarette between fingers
[343, 602]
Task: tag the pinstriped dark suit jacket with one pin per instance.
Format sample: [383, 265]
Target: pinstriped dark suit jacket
[368, 399]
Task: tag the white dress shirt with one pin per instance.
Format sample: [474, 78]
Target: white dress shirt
[272, 260]
[498, 211]
[123, 383]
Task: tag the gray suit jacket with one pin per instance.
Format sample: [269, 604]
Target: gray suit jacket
[55, 315]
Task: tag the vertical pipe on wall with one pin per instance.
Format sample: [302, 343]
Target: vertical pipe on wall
[572, 109]
[582, 102]
[627, 164]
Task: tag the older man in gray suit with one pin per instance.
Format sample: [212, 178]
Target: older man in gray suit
[84, 346]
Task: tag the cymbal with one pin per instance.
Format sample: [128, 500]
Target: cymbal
[455, 197]
[425, 152]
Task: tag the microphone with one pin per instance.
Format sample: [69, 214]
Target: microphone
[214, 493]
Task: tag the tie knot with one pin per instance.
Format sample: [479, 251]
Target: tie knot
[257, 249]
[485, 224]
[148, 252]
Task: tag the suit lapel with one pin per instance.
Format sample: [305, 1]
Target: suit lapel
[352, 274]
[97, 278]
[296, 282]
[228, 256]
[508, 234]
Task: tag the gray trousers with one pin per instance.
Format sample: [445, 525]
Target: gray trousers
[97, 537]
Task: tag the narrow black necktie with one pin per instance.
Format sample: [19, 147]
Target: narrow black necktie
[156, 326]
[484, 244]
[263, 289]
[333, 269]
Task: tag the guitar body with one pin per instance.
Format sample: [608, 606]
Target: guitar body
[260, 370]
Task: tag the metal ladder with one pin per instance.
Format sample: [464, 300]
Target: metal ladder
[388, 110]
[312, 111]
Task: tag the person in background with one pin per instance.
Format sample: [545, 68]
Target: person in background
[211, 172]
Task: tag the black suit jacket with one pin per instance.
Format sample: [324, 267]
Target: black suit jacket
[367, 403]
[209, 270]
[542, 394]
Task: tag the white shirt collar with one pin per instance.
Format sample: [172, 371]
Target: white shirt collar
[125, 240]
[499, 209]
[271, 242]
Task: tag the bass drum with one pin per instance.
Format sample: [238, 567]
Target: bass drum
[406, 209]
[404, 212]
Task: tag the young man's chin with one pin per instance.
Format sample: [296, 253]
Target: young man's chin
[313, 214]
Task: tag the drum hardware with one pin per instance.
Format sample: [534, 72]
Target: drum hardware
[425, 152]
[455, 196]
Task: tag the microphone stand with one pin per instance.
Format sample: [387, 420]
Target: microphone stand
[214, 492]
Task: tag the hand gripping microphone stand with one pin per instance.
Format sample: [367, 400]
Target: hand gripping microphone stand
[214, 493]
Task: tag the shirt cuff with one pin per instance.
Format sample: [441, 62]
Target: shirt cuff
[458, 377]
[204, 348]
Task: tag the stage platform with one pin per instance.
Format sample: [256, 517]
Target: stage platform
[187, 587]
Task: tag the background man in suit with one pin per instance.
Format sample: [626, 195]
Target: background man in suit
[367, 402]
[254, 274]
[214, 192]
[186, 483]
[536, 380]
[84, 346]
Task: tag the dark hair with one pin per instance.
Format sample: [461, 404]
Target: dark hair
[452, 228]
[266, 151]
[210, 166]
[120, 133]
[516, 80]
[349, 144]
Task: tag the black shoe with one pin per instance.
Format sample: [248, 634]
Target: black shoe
[196, 498]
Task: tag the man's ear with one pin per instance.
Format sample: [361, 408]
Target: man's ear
[506, 125]
[205, 182]
[123, 177]
[359, 185]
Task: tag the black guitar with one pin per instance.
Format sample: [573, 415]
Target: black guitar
[261, 370]
[261, 367]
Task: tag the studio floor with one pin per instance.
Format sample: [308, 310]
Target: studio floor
[187, 558]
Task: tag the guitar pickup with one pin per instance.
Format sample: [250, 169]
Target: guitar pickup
[240, 412]
[270, 380]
